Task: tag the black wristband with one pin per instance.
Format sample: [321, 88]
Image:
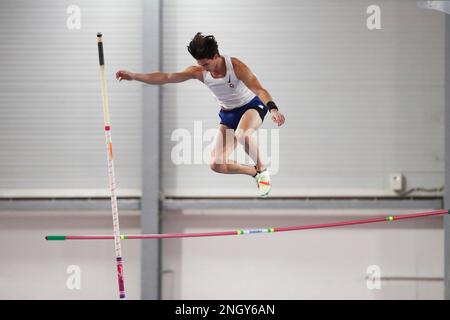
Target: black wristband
[271, 105]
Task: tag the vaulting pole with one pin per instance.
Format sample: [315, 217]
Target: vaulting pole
[112, 180]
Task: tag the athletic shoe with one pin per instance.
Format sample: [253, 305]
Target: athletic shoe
[263, 183]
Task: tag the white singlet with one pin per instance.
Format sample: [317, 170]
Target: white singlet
[229, 91]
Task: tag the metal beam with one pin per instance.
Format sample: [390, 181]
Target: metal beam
[151, 250]
[11, 204]
[135, 204]
[302, 203]
[447, 160]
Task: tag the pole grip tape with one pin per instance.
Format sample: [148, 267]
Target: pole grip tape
[100, 49]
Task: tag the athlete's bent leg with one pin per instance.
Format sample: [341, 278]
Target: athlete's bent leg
[224, 144]
[249, 123]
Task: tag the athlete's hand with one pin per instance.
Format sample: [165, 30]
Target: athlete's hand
[124, 75]
[277, 117]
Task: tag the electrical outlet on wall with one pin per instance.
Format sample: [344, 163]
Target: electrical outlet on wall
[396, 182]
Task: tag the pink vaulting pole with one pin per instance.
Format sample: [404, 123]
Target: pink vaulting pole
[255, 231]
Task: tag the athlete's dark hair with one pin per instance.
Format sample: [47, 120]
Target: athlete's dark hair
[203, 47]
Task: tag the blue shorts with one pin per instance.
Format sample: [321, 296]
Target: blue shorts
[231, 118]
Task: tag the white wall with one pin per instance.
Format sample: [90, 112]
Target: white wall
[51, 120]
[33, 268]
[360, 104]
[312, 264]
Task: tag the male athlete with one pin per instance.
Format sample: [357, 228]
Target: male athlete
[243, 105]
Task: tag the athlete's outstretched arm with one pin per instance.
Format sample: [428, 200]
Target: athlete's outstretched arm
[192, 72]
[251, 81]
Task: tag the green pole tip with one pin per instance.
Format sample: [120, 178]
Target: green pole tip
[390, 218]
[55, 238]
